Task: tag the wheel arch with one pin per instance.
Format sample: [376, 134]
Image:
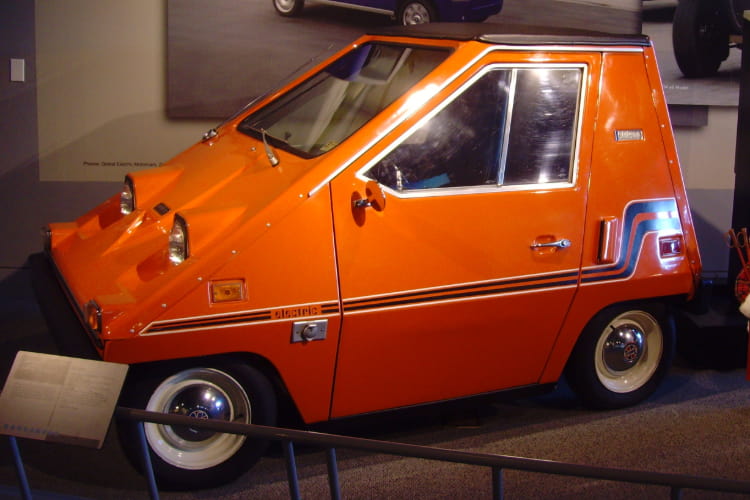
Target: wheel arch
[664, 305]
[288, 413]
[577, 322]
[622, 355]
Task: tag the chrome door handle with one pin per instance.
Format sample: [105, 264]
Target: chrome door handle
[563, 243]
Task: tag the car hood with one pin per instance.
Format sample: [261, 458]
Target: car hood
[224, 188]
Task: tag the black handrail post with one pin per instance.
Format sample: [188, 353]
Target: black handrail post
[333, 474]
[148, 467]
[497, 483]
[675, 493]
[291, 470]
[23, 482]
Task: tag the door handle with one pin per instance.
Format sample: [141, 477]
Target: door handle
[563, 243]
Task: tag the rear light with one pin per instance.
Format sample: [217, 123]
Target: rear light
[670, 246]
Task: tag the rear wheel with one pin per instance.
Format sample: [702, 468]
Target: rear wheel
[416, 12]
[622, 356]
[700, 37]
[189, 458]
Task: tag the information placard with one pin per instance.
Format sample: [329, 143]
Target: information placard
[60, 399]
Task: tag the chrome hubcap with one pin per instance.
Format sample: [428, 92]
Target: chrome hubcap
[199, 401]
[623, 347]
[629, 351]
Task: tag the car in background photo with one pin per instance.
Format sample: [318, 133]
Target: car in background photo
[407, 12]
[703, 31]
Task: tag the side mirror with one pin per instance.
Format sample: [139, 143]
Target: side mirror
[374, 197]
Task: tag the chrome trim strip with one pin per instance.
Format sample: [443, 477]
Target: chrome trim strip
[506, 125]
[567, 48]
[465, 190]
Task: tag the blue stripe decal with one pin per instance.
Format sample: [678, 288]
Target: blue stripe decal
[671, 221]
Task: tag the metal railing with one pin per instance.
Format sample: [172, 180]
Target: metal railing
[496, 463]
[330, 442]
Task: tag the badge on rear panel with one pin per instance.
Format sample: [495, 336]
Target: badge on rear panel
[635, 134]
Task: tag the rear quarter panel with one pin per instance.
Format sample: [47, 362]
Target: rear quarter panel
[622, 174]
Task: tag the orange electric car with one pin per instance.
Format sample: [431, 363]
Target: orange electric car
[428, 215]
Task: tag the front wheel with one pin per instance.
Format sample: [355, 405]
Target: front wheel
[288, 8]
[416, 12]
[190, 458]
[622, 356]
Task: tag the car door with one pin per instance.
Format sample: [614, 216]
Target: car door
[459, 284]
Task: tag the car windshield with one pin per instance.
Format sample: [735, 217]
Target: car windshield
[320, 113]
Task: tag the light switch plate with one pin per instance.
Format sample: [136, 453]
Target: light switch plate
[17, 70]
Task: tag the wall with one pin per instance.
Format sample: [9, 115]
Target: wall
[101, 90]
[85, 67]
[707, 159]
[27, 203]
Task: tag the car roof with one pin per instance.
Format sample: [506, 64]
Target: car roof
[514, 34]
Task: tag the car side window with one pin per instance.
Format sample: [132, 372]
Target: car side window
[471, 142]
[458, 146]
[540, 141]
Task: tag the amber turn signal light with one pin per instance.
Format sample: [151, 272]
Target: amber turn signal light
[227, 291]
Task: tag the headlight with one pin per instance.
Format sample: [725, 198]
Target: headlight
[127, 196]
[178, 241]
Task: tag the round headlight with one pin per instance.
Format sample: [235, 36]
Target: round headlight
[178, 241]
[127, 197]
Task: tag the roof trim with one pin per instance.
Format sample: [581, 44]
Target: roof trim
[514, 34]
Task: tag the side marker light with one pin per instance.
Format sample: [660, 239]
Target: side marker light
[227, 291]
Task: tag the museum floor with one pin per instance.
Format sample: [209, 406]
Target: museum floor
[697, 423]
